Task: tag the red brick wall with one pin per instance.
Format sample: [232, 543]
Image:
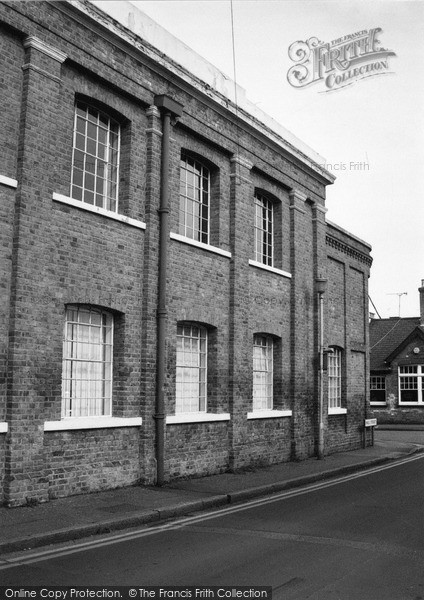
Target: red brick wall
[85, 461]
[347, 317]
[61, 254]
[10, 93]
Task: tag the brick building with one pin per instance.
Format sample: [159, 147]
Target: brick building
[168, 279]
[397, 368]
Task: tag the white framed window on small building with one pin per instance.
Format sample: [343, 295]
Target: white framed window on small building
[87, 363]
[334, 372]
[264, 230]
[194, 208]
[377, 389]
[191, 368]
[263, 372]
[95, 158]
[411, 384]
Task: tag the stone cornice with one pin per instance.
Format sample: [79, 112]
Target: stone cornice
[343, 247]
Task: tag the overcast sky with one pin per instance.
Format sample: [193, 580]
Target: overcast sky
[377, 121]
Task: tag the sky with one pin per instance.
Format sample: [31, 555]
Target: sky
[370, 132]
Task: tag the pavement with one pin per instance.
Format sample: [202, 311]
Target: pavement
[76, 517]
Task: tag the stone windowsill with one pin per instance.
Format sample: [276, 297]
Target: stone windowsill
[258, 265]
[269, 414]
[8, 181]
[190, 242]
[196, 418]
[337, 411]
[92, 423]
[99, 211]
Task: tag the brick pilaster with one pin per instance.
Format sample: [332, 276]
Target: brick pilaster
[150, 287]
[320, 271]
[301, 324]
[240, 355]
[28, 377]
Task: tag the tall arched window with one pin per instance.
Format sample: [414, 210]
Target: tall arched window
[95, 158]
[191, 368]
[264, 230]
[195, 182]
[87, 363]
[334, 371]
[263, 372]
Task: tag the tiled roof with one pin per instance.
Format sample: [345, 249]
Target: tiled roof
[386, 335]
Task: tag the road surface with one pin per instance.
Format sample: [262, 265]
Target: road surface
[358, 538]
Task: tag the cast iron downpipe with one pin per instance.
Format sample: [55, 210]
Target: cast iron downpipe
[169, 109]
[321, 286]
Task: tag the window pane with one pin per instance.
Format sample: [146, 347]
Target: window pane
[91, 147]
[80, 142]
[411, 383]
[92, 131]
[77, 178]
[378, 389]
[89, 182]
[409, 395]
[88, 197]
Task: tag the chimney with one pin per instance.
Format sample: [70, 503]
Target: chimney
[421, 290]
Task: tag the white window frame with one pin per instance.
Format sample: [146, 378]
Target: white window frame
[264, 227]
[191, 369]
[263, 373]
[404, 373]
[334, 376]
[87, 363]
[378, 383]
[195, 193]
[104, 171]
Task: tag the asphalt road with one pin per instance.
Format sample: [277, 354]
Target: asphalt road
[361, 538]
[400, 436]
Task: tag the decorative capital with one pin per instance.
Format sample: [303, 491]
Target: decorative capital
[297, 195]
[153, 111]
[243, 162]
[33, 42]
[320, 208]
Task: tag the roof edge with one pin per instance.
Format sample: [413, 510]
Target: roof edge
[126, 21]
[349, 234]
